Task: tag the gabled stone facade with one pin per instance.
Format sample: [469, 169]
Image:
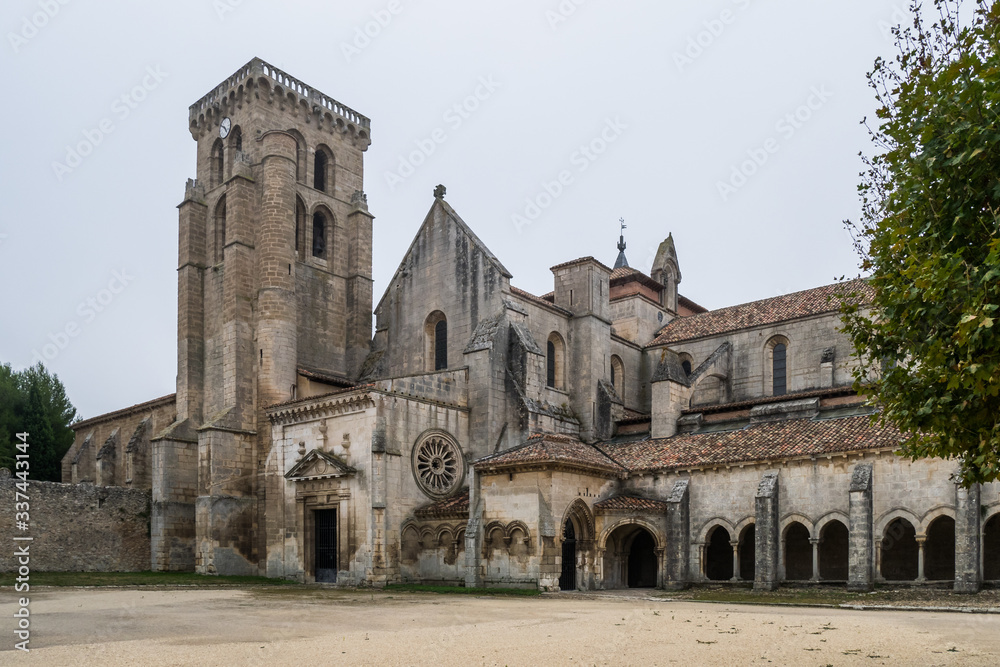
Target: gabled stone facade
[612, 433]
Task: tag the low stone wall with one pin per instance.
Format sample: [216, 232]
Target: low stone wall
[78, 527]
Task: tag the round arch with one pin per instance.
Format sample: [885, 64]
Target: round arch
[795, 517]
[933, 515]
[633, 554]
[709, 526]
[821, 523]
[632, 521]
[882, 523]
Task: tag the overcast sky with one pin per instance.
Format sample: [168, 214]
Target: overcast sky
[733, 124]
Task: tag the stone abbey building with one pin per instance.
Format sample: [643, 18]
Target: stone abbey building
[611, 433]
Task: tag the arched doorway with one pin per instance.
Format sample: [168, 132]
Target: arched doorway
[567, 580]
[798, 553]
[719, 555]
[834, 549]
[642, 561]
[630, 558]
[939, 550]
[991, 549]
[900, 553]
[748, 553]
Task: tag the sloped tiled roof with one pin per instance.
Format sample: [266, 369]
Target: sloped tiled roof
[528, 296]
[554, 449]
[454, 506]
[630, 504]
[763, 400]
[759, 313]
[757, 443]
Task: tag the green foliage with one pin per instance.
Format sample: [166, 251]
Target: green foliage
[930, 344]
[34, 402]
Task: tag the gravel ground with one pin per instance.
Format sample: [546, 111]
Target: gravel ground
[316, 626]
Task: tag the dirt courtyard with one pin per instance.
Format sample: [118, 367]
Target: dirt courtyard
[313, 626]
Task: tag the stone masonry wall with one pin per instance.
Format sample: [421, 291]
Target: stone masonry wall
[80, 527]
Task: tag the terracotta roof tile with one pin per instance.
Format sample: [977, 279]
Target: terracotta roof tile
[758, 313]
[453, 506]
[555, 449]
[763, 400]
[690, 305]
[762, 442]
[630, 504]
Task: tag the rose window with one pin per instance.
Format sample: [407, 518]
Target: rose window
[438, 466]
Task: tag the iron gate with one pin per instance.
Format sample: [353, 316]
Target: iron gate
[326, 545]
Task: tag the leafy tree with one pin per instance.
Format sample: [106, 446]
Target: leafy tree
[35, 402]
[929, 236]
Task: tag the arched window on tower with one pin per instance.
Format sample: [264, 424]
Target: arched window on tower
[319, 235]
[436, 346]
[236, 140]
[323, 170]
[220, 229]
[217, 164]
[555, 351]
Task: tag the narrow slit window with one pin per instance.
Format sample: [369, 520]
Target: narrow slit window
[779, 367]
[550, 372]
[441, 345]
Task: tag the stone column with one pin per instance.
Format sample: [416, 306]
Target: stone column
[921, 542]
[735, 544]
[814, 541]
[860, 536]
[968, 532]
[766, 536]
[678, 536]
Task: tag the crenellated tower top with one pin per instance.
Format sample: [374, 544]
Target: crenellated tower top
[258, 80]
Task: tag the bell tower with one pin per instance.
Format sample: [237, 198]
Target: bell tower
[274, 284]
